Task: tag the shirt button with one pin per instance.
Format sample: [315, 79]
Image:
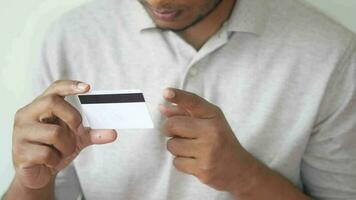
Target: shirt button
[193, 71]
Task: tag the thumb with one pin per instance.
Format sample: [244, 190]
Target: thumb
[97, 136]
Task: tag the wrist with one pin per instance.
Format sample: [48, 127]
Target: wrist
[19, 191]
[261, 182]
[249, 178]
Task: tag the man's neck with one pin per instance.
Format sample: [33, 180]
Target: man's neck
[199, 34]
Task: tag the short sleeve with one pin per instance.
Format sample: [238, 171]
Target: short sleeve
[329, 164]
[67, 185]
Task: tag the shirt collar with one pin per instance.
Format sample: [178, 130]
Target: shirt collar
[143, 19]
[248, 16]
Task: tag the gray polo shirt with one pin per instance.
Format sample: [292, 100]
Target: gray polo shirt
[284, 75]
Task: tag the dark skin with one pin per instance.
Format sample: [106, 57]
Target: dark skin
[48, 132]
[198, 20]
[48, 135]
[205, 146]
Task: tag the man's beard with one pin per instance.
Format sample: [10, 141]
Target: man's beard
[195, 22]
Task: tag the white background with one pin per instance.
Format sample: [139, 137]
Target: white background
[23, 24]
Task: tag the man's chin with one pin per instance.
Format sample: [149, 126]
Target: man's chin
[178, 26]
[174, 28]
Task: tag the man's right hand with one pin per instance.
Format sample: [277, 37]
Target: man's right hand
[48, 135]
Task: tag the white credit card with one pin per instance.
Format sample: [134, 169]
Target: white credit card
[116, 109]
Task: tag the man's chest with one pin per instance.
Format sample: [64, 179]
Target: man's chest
[267, 104]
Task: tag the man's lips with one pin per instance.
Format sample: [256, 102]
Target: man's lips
[166, 15]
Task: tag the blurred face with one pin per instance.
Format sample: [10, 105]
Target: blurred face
[178, 15]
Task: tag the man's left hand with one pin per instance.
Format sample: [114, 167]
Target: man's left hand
[204, 144]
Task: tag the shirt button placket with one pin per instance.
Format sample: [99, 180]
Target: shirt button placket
[193, 71]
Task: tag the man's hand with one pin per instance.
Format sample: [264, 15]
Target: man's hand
[48, 135]
[203, 143]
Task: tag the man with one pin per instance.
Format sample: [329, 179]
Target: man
[260, 104]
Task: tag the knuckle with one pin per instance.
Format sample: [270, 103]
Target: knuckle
[171, 125]
[171, 145]
[18, 150]
[212, 135]
[206, 166]
[18, 138]
[215, 128]
[18, 119]
[19, 127]
[176, 163]
[195, 101]
[18, 115]
[213, 150]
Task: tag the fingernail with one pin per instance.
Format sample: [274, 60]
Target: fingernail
[80, 129]
[168, 93]
[103, 136]
[82, 86]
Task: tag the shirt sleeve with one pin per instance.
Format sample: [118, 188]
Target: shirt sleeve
[51, 68]
[67, 185]
[328, 168]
